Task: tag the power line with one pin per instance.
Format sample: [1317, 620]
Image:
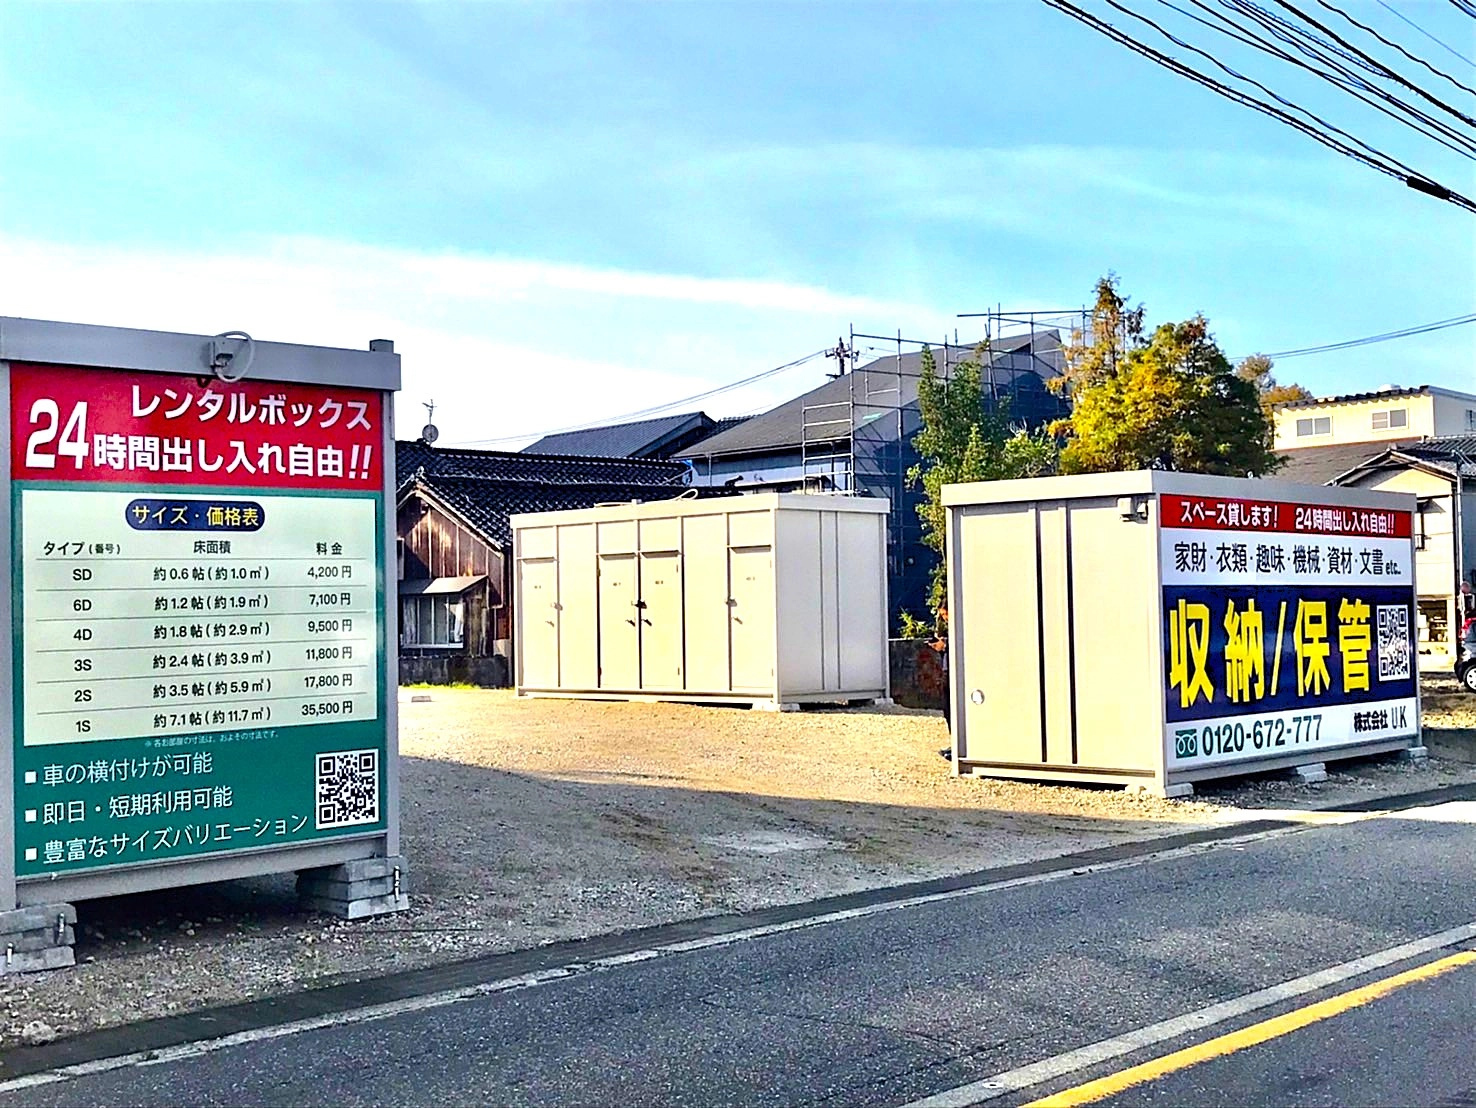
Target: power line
[654, 410]
[1394, 46]
[1317, 49]
[1313, 126]
[1420, 329]
[1386, 336]
[1342, 48]
[1349, 82]
[1352, 82]
[1438, 42]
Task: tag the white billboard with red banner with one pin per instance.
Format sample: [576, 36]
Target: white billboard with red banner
[1287, 627]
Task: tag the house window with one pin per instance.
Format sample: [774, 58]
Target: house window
[1471, 419]
[1392, 419]
[431, 621]
[1317, 425]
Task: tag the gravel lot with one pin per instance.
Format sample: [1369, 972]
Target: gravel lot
[532, 821]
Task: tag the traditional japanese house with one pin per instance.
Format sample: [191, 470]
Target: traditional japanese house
[455, 545]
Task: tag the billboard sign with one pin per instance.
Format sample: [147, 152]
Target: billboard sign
[1287, 628]
[198, 588]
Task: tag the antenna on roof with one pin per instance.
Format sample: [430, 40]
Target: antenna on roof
[428, 433]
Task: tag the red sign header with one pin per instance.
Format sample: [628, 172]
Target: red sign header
[113, 426]
[1218, 513]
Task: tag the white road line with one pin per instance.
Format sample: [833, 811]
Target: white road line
[597, 965]
[1073, 1061]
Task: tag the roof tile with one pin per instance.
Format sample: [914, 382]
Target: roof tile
[485, 487]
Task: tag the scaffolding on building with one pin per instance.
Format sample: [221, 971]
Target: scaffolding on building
[859, 443]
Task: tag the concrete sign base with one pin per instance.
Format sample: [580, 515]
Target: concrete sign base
[38, 938]
[355, 890]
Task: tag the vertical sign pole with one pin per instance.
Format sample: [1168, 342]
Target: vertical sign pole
[389, 591]
[1156, 643]
[7, 663]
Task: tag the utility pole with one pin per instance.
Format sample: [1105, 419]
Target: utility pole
[844, 357]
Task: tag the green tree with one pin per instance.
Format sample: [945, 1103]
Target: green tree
[1257, 370]
[965, 437]
[1170, 400]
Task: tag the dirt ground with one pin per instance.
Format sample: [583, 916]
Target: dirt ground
[531, 821]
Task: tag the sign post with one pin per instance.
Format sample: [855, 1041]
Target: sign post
[202, 676]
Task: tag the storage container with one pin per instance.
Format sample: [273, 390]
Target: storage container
[769, 599]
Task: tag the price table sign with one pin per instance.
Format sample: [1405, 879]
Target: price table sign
[198, 610]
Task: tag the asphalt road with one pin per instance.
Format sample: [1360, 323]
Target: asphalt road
[898, 1006]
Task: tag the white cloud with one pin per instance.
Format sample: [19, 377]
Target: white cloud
[506, 347]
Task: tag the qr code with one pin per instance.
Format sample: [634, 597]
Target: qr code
[1394, 651]
[348, 788]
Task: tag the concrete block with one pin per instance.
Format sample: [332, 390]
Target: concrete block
[1419, 755]
[357, 909]
[43, 939]
[35, 917]
[30, 941]
[1309, 774]
[354, 890]
[346, 890]
[37, 961]
[360, 869]
[1173, 792]
[1454, 744]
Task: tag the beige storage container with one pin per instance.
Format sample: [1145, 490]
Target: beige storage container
[770, 599]
[1162, 628]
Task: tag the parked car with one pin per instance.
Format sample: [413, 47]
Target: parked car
[1465, 669]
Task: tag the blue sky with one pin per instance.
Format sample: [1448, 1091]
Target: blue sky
[568, 212]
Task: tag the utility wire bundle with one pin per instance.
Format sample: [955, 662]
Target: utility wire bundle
[1330, 45]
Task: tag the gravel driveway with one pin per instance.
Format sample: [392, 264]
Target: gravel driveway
[532, 821]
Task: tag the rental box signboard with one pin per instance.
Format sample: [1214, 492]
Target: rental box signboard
[201, 676]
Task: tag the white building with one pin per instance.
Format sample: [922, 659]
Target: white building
[1442, 473]
[1390, 414]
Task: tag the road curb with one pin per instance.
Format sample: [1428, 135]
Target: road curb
[213, 1023]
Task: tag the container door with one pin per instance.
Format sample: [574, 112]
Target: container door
[996, 554]
[751, 619]
[538, 603]
[861, 579]
[620, 643]
[578, 602]
[661, 621]
[705, 615]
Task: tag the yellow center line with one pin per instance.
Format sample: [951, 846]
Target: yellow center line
[1253, 1035]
